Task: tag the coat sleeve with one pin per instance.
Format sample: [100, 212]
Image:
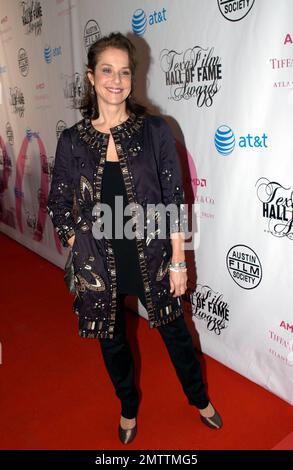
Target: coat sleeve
[60, 199]
[171, 179]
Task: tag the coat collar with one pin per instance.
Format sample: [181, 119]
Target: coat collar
[96, 139]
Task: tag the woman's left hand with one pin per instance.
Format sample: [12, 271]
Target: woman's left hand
[178, 282]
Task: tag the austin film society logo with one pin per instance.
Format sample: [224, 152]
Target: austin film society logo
[235, 10]
[244, 266]
[277, 207]
[23, 63]
[194, 73]
[91, 34]
[209, 306]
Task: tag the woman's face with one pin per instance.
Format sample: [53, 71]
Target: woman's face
[112, 77]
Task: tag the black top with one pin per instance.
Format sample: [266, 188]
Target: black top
[129, 279]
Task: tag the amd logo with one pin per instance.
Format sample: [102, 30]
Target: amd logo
[286, 326]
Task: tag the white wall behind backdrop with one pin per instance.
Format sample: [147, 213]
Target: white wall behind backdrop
[221, 73]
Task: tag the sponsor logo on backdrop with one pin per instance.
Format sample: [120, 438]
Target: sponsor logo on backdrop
[32, 223]
[3, 69]
[141, 20]
[29, 134]
[48, 166]
[42, 200]
[283, 84]
[32, 16]
[207, 204]
[23, 64]
[225, 140]
[6, 213]
[202, 182]
[5, 29]
[282, 348]
[282, 67]
[290, 355]
[25, 162]
[73, 89]
[192, 74]
[283, 63]
[193, 184]
[5, 169]
[60, 126]
[288, 39]
[17, 101]
[244, 266]
[42, 97]
[210, 307]
[286, 326]
[235, 10]
[91, 33]
[9, 133]
[277, 207]
[35, 217]
[50, 53]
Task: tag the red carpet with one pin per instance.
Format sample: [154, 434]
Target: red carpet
[286, 443]
[55, 393]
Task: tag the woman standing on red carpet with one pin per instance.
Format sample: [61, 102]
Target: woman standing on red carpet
[119, 151]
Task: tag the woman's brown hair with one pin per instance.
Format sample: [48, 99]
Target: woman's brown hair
[89, 105]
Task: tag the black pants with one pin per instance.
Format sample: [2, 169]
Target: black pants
[119, 361]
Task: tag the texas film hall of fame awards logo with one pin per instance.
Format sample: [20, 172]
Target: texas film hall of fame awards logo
[192, 74]
[277, 207]
[210, 307]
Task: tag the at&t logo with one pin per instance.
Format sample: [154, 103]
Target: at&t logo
[225, 140]
[49, 53]
[140, 20]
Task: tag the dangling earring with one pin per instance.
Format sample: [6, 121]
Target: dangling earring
[93, 90]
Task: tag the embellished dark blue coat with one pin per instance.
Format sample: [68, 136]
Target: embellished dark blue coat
[152, 174]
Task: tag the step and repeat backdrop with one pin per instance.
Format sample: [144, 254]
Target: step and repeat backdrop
[220, 72]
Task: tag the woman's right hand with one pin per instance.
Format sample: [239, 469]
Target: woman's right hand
[70, 241]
